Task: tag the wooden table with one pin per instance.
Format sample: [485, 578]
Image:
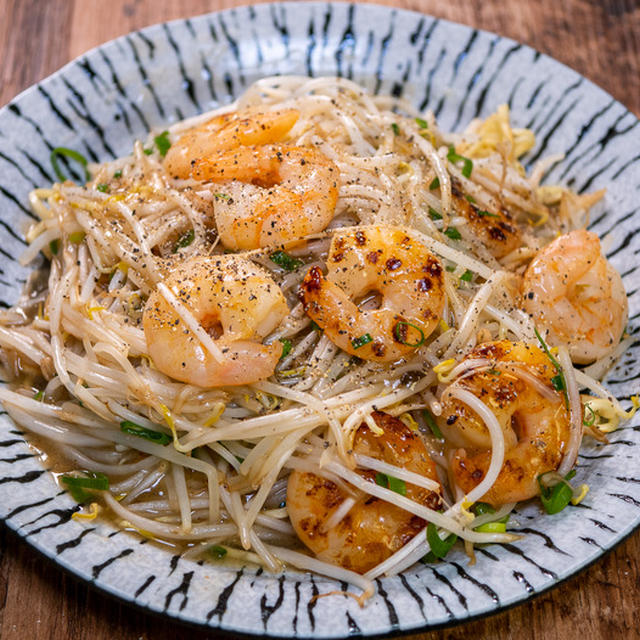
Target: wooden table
[598, 38]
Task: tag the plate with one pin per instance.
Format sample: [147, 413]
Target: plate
[102, 101]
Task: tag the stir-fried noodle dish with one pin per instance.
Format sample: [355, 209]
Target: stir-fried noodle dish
[312, 329]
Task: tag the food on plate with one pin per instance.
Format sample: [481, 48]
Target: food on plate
[313, 329]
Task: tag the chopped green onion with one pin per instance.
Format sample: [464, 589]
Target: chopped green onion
[470, 199]
[482, 508]
[423, 124]
[76, 485]
[452, 233]
[217, 552]
[39, 395]
[162, 142]
[286, 347]
[450, 268]
[103, 187]
[315, 326]
[389, 482]
[76, 237]
[431, 423]
[467, 276]
[559, 383]
[118, 174]
[434, 215]
[401, 339]
[184, 240]
[54, 246]
[555, 499]
[133, 429]
[495, 372]
[492, 527]
[356, 343]
[487, 214]
[454, 157]
[396, 128]
[435, 183]
[284, 260]
[222, 196]
[588, 422]
[439, 547]
[73, 155]
[148, 152]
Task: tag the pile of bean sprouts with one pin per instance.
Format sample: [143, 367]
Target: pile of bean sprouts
[75, 349]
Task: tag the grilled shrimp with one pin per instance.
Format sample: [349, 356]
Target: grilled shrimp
[495, 228]
[235, 302]
[515, 383]
[372, 529]
[573, 293]
[270, 193]
[387, 261]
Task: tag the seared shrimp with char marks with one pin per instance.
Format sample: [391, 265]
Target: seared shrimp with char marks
[572, 292]
[495, 228]
[516, 386]
[270, 193]
[378, 259]
[372, 529]
[236, 302]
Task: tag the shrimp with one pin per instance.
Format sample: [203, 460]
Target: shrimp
[516, 385]
[226, 132]
[495, 228]
[271, 193]
[574, 294]
[372, 529]
[379, 259]
[236, 302]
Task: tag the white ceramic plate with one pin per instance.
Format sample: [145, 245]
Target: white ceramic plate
[101, 102]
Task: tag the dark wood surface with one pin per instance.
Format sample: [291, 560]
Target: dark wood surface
[598, 38]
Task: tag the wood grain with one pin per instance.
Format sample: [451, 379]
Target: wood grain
[599, 39]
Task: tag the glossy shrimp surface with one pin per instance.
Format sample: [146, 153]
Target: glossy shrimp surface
[236, 302]
[573, 293]
[269, 193]
[376, 260]
[516, 385]
[224, 133]
[373, 529]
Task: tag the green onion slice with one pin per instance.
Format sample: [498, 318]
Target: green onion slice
[71, 154]
[431, 423]
[492, 527]
[185, 240]
[286, 347]
[356, 343]
[162, 142]
[133, 429]
[396, 128]
[467, 276]
[434, 215]
[217, 552]
[103, 187]
[555, 499]
[54, 246]
[118, 174]
[452, 233]
[389, 482]
[77, 485]
[439, 547]
[435, 183]
[284, 260]
[76, 237]
[559, 383]
[454, 157]
[398, 335]
[588, 422]
[487, 214]
[423, 124]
